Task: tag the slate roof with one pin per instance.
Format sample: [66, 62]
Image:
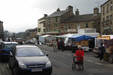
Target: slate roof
[80, 18]
[42, 18]
[105, 3]
[57, 13]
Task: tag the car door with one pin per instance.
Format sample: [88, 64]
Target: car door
[12, 60]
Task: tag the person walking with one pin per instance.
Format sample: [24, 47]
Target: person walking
[62, 44]
[101, 51]
[58, 44]
[54, 45]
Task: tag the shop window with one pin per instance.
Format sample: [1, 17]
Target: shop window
[39, 29]
[86, 25]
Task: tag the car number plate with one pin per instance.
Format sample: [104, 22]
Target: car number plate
[36, 70]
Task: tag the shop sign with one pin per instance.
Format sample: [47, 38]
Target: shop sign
[104, 37]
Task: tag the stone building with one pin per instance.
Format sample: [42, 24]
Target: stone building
[41, 25]
[107, 17]
[65, 21]
[1, 30]
[73, 23]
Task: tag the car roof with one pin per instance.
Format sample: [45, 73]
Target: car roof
[26, 46]
[10, 42]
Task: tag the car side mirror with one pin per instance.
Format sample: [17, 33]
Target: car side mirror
[11, 55]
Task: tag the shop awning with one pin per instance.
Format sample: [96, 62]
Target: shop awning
[83, 37]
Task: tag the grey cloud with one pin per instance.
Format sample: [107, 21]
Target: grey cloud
[85, 6]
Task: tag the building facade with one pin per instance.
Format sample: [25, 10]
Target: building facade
[107, 17]
[65, 21]
[41, 25]
[1, 30]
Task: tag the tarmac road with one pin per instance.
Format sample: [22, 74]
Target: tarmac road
[62, 63]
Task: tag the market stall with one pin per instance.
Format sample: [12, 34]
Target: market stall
[44, 39]
[82, 40]
[108, 43]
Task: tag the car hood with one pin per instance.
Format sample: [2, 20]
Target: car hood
[33, 60]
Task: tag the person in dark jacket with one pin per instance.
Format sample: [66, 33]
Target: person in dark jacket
[58, 44]
[62, 44]
[102, 51]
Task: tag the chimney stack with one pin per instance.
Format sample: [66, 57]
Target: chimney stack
[96, 11]
[58, 10]
[77, 12]
[45, 15]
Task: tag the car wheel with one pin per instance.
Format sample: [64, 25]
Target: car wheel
[9, 66]
[15, 71]
[110, 60]
[48, 73]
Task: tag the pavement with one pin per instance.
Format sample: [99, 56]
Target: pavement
[62, 64]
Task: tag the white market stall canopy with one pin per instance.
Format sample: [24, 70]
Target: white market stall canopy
[45, 35]
[90, 34]
[45, 38]
[67, 35]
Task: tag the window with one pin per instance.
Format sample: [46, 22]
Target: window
[86, 25]
[56, 19]
[44, 30]
[103, 19]
[49, 21]
[55, 29]
[39, 29]
[111, 7]
[107, 17]
[44, 24]
[110, 17]
[103, 10]
[28, 52]
[56, 25]
[107, 8]
[69, 26]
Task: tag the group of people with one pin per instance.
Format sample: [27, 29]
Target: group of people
[58, 44]
[78, 57]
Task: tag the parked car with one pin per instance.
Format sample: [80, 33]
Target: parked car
[29, 58]
[5, 49]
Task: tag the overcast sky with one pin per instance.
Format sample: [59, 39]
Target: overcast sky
[19, 15]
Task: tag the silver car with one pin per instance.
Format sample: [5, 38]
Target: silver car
[29, 58]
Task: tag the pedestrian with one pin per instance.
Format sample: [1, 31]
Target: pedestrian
[101, 51]
[91, 44]
[54, 45]
[78, 58]
[58, 44]
[62, 44]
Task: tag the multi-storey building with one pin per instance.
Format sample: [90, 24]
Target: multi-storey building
[41, 25]
[107, 17]
[1, 30]
[65, 21]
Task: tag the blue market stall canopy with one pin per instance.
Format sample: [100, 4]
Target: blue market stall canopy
[82, 37]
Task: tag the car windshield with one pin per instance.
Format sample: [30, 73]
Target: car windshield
[8, 46]
[28, 52]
